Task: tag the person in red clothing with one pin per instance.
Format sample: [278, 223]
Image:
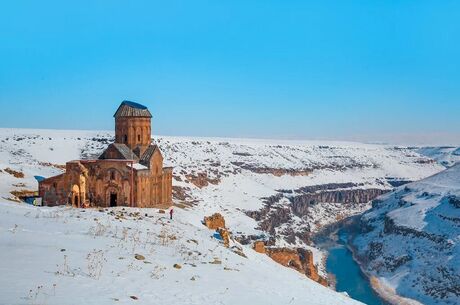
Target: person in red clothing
[171, 211]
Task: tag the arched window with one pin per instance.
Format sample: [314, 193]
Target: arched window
[138, 138]
[125, 139]
[112, 175]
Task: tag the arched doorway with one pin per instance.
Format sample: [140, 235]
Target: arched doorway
[76, 196]
[112, 197]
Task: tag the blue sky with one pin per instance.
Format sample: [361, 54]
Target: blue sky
[372, 70]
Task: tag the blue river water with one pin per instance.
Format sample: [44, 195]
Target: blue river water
[348, 274]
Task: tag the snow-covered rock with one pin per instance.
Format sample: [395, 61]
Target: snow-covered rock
[411, 239]
[445, 155]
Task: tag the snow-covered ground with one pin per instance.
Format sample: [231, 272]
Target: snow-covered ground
[72, 256]
[411, 239]
[238, 174]
[233, 162]
[446, 155]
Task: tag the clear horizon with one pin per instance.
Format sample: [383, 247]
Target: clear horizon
[363, 71]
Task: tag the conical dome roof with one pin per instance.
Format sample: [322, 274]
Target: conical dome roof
[132, 109]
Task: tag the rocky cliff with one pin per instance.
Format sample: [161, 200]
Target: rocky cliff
[299, 259]
[295, 214]
[409, 240]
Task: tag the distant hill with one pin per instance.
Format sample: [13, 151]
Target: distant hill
[445, 155]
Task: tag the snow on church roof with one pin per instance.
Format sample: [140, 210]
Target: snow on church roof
[138, 166]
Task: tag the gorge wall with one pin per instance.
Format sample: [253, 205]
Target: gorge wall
[294, 214]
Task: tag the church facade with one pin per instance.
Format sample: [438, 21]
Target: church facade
[129, 172]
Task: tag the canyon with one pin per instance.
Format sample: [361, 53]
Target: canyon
[275, 196]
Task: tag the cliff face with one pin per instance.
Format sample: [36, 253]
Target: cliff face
[339, 196]
[295, 216]
[277, 172]
[299, 259]
[305, 205]
[300, 203]
[410, 239]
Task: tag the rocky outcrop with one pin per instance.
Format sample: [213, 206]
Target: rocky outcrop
[12, 172]
[214, 221]
[259, 246]
[181, 193]
[395, 182]
[225, 236]
[249, 239]
[23, 193]
[242, 154]
[390, 227]
[300, 203]
[201, 180]
[298, 259]
[271, 215]
[335, 192]
[278, 172]
[48, 164]
[298, 171]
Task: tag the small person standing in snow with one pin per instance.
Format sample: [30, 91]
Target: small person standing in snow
[171, 213]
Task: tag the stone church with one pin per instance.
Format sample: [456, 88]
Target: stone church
[129, 172]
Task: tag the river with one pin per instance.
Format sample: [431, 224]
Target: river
[349, 277]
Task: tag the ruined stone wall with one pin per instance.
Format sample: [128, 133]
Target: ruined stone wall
[88, 183]
[53, 191]
[67, 188]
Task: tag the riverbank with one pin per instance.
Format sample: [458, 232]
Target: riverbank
[385, 292]
[347, 274]
[389, 294]
[342, 263]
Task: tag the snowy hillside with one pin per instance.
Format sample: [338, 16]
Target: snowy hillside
[234, 176]
[279, 191]
[72, 256]
[447, 155]
[411, 239]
